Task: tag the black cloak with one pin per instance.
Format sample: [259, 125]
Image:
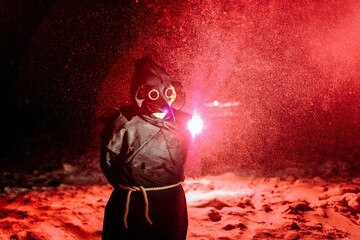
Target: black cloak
[140, 150]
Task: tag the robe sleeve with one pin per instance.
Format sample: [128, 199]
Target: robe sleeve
[105, 156]
[111, 144]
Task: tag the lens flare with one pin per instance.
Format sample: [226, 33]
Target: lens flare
[195, 125]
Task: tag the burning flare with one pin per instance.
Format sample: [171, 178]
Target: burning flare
[195, 125]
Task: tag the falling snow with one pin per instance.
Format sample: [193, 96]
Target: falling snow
[276, 84]
[292, 68]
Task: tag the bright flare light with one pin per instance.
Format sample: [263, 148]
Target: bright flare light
[195, 125]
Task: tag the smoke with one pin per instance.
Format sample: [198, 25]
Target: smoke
[293, 67]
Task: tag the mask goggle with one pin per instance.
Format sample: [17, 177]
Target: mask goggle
[154, 96]
[158, 99]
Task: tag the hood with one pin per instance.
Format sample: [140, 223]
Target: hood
[148, 73]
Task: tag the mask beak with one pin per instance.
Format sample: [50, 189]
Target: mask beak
[168, 111]
[164, 111]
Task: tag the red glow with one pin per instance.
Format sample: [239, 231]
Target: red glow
[263, 75]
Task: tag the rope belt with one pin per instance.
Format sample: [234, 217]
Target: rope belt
[143, 190]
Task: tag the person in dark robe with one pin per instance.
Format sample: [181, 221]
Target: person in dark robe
[143, 151]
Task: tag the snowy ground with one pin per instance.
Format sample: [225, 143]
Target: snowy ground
[220, 207]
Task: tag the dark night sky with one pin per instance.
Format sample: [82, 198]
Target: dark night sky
[19, 21]
[54, 55]
[292, 67]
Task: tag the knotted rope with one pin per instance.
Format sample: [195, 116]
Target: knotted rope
[143, 190]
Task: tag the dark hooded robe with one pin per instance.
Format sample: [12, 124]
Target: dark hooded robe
[141, 151]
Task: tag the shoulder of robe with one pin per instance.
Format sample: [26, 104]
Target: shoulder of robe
[110, 116]
[114, 118]
[182, 118]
